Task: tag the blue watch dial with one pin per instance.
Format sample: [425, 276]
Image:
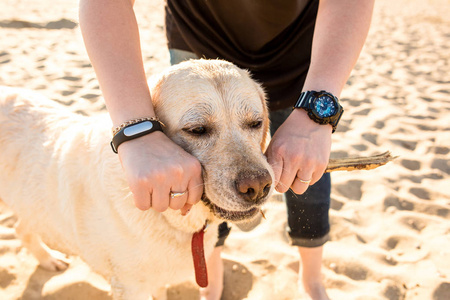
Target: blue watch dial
[325, 107]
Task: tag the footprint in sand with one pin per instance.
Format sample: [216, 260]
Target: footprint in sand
[427, 127]
[339, 154]
[67, 93]
[420, 192]
[351, 189]
[395, 201]
[362, 112]
[6, 278]
[403, 248]
[20, 24]
[412, 165]
[90, 97]
[360, 147]
[71, 78]
[410, 145]
[4, 57]
[415, 179]
[370, 137]
[351, 269]
[238, 280]
[420, 206]
[336, 204]
[267, 265]
[379, 124]
[421, 117]
[344, 126]
[414, 222]
[442, 291]
[441, 164]
[392, 289]
[434, 176]
[441, 150]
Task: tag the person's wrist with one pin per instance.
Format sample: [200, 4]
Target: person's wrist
[322, 84]
[300, 117]
[134, 129]
[123, 110]
[118, 120]
[142, 142]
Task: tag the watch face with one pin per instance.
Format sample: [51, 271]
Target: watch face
[325, 106]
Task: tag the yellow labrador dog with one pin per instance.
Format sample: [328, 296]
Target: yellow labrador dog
[58, 173]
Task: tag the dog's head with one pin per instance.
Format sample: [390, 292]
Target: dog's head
[216, 112]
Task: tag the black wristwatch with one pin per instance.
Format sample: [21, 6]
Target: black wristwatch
[134, 131]
[322, 107]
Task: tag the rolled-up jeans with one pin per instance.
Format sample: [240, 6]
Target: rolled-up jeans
[307, 214]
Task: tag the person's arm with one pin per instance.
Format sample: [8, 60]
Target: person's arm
[300, 147]
[111, 37]
[153, 164]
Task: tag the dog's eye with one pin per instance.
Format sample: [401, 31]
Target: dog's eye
[200, 130]
[255, 124]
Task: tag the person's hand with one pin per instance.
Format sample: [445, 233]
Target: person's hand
[155, 167]
[299, 152]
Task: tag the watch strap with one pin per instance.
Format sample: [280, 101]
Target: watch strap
[134, 131]
[304, 100]
[336, 120]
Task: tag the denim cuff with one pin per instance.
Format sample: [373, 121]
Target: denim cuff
[309, 242]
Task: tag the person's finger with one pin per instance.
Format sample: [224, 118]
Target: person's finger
[278, 170]
[276, 163]
[185, 209]
[160, 199]
[286, 178]
[318, 173]
[142, 198]
[301, 182]
[195, 192]
[195, 185]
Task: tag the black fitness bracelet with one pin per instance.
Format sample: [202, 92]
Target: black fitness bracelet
[134, 131]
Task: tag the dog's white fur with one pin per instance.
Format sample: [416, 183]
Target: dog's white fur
[58, 173]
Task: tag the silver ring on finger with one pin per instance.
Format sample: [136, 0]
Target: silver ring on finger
[175, 194]
[304, 181]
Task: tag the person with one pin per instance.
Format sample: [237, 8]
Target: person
[289, 46]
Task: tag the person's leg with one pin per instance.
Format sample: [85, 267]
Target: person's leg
[308, 225]
[215, 276]
[308, 230]
[311, 273]
[214, 264]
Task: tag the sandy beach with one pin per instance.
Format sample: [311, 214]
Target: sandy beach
[390, 227]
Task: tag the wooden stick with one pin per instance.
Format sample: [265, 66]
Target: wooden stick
[359, 163]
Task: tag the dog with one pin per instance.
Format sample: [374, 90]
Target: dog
[58, 173]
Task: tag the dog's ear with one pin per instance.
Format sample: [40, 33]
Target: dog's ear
[266, 122]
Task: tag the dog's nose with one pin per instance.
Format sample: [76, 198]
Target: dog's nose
[253, 186]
